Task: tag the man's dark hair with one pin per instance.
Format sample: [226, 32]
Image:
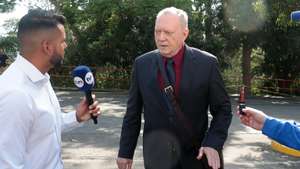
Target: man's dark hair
[38, 19]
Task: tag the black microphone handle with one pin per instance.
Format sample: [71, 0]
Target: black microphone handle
[88, 95]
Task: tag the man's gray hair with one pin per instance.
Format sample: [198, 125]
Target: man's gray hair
[183, 17]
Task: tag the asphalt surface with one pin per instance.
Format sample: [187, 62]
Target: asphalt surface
[96, 146]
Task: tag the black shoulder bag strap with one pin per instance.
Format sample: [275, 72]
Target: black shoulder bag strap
[174, 106]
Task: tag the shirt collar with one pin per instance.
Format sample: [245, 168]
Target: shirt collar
[178, 57]
[31, 71]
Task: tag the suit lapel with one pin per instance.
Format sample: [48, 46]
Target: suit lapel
[187, 71]
[154, 73]
[158, 93]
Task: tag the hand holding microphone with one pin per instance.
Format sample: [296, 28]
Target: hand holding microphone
[84, 81]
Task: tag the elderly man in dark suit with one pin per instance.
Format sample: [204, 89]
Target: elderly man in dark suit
[173, 87]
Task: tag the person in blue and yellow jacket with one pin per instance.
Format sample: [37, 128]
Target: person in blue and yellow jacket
[282, 131]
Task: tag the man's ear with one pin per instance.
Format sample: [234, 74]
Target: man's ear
[186, 33]
[47, 48]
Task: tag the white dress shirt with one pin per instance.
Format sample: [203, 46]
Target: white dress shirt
[31, 120]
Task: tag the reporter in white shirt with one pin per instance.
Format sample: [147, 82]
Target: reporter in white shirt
[31, 120]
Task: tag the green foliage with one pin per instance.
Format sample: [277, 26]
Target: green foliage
[106, 77]
[115, 32]
[7, 5]
[206, 27]
[245, 16]
[282, 41]
[112, 32]
[232, 75]
[243, 24]
[110, 76]
[9, 43]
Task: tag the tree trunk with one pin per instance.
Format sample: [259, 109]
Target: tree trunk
[246, 67]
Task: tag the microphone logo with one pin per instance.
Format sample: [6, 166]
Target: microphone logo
[78, 82]
[84, 80]
[89, 78]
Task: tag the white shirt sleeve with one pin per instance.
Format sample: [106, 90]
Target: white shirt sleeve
[16, 119]
[69, 121]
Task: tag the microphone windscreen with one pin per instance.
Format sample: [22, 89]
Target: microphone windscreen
[295, 16]
[83, 78]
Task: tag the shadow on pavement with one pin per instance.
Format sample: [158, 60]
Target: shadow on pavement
[95, 146]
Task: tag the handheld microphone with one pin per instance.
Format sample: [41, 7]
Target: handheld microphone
[242, 102]
[84, 81]
[295, 16]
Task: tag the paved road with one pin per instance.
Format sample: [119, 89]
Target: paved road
[95, 146]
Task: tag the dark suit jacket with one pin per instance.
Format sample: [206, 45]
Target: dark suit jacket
[201, 87]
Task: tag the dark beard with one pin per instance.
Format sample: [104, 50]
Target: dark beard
[56, 60]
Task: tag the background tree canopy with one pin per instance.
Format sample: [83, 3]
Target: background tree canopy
[112, 32]
[256, 35]
[7, 5]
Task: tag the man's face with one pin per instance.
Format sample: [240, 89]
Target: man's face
[169, 34]
[59, 46]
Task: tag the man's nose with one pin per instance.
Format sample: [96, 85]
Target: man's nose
[161, 36]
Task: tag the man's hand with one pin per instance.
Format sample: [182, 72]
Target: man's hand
[124, 163]
[212, 156]
[252, 118]
[84, 111]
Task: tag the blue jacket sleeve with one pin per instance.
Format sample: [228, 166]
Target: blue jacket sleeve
[284, 132]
